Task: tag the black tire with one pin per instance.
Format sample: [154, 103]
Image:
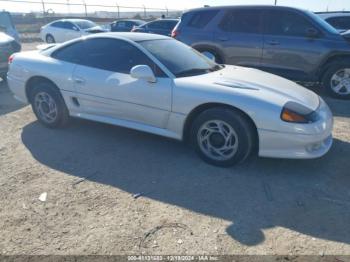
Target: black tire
[245, 134]
[50, 39]
[327, 79]
[62, 114]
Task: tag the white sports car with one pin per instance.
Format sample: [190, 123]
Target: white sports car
[156, 84]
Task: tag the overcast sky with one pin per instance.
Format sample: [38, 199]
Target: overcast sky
[313, 5]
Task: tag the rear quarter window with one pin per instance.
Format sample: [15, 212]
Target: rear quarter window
[72, 53]
[202, 18]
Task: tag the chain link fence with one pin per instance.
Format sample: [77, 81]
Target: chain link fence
[79, 8]
[30, 15]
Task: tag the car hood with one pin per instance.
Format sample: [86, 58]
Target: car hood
[255, 83]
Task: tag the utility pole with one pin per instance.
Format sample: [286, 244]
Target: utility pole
[118, 10]
[43, 4]
[84, 3]
[275, 2]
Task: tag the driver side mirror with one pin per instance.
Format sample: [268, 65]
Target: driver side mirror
[143, 72]
[312, 32]
[75, 28]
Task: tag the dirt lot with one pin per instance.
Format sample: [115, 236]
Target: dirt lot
[90, 172]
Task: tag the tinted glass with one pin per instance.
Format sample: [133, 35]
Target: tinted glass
[68, 25]
[201, 19]
[85, 24]
[106, 54]
[58, 24]
[182, 58]
[72, 53]
[242, 21]
[156, 25]
[170, 25]
[286, 23]
[121, 24]
[340, 22]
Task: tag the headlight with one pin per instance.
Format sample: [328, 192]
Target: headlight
[296, 113]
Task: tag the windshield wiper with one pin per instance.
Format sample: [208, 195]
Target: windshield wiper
[193, 71]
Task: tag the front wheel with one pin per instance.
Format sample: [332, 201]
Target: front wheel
[222, 137]
[49, 106]
[336, 80]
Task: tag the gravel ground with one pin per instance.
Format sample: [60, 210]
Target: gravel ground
[91, 171]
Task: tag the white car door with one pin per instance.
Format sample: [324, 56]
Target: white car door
[57, 31]
[71, 31]
[105, 88]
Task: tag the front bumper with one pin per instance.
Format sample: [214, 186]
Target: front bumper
[313, 141]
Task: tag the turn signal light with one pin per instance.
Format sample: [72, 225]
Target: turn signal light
[290, 116]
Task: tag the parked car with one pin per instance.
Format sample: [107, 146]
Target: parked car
[7, 26]
[8, 46]
[160, 27]
[67, 29]
[339, 20]
[226, 112]
[125, 25]
[289, 42]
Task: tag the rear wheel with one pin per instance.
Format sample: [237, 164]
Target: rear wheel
[336, 80]
[50, 39]
[222, 137]
[48, 105]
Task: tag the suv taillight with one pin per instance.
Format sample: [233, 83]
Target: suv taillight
[174, 33]
[11, 58]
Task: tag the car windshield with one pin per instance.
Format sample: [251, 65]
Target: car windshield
[179, 58]
[323, 23]
[85, 24]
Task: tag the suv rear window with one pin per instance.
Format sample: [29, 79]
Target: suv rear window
[202, 18]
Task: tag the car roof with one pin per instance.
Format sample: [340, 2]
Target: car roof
[244, 7]
[165, 20]
[136, 37]
[72, 20]
[131, 20]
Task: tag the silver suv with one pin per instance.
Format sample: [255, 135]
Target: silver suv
[289, 42]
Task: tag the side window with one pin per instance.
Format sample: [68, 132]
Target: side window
[286, 23]
[72, 53]
[155, 25]
[121, 24]
[58, 24]
[340, 22]
[69, 26]
[171, 24]
[202, 18]
[116, 56]
[242, 21]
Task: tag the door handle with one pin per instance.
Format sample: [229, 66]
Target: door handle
[273, 42]
[79, 81]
